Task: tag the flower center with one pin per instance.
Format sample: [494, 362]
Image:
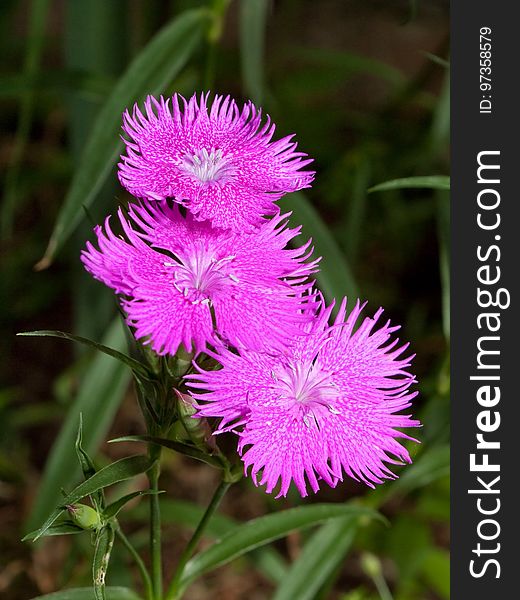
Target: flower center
[207, 166]
[201, 277]
[306, 385]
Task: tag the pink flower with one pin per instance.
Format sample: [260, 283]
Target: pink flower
[329, 404]
[177, 275]
[218, 161]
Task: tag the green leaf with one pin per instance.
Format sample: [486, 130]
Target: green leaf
[434, 182]
[335, 277]
[264, 530]
[179, 447]
[344, 64]
[137, 367]
[113, 509]
[87, 466]
[123, 469]
[253, 17]
[431, 465]
[186, 514]
[442, 62]
[321, 555]
[102, 552]
[149, 73]
[61, 528]
[267, 560]
[112, 593]
[99, 396]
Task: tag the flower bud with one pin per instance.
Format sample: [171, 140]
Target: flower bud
[84, 516]
[196, 428]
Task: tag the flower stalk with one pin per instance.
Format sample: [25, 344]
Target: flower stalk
[155, 523]
[175, 590]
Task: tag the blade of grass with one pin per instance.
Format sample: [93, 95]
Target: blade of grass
[335, 278]
[434, 182]
[253, 18]
[186, 514]
[264, 530]
[319, 559]
[149, 73]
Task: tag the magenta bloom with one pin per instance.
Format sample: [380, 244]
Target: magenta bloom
[218, 161]
[173, 272]
[329, 404]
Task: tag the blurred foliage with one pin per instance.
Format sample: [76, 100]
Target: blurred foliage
[364, 86]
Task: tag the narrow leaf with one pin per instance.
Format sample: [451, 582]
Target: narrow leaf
[123, 469]
[253, 17]
[264, 530]
[179, 447]
[61, 528]
[267, 560]
[434, 182]
[135, 365]
[321, 555]
[335, 277]
[431, 465]
[99, 396]
[113, 509]
[102, 552]
[87, 466]
[112, 593]
[149, 73]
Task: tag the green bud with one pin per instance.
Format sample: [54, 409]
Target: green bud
[84, 516]
[196, 429]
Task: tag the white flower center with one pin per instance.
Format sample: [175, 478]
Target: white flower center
[306, 385]
[207, 166]
[201, 277]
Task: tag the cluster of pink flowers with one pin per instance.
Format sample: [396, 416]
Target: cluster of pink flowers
[208, 261]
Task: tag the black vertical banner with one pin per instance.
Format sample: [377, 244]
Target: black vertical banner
[485, 363]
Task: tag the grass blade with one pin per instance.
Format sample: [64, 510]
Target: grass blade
[253, 17]
[335, 277]
[264, 530]
[434, 182]
[322, 554]
[159, 62]
[135, 365]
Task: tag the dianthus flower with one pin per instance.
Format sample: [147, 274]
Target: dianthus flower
[218, 161]
[329, 404]
[180, 278]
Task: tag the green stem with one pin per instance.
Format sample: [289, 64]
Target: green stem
[382, 587]
[147, 582]
[155, 524]
[175, 591]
